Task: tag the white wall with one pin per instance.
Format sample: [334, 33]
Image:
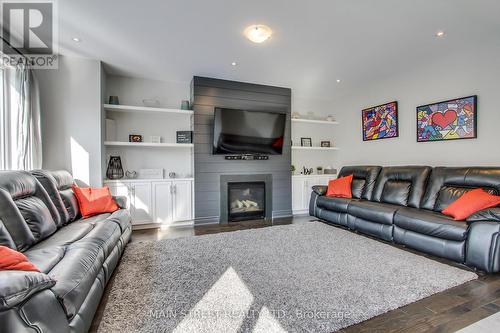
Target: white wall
[457, 75]
[71, 118]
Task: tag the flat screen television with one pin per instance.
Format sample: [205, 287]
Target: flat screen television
[248, 132]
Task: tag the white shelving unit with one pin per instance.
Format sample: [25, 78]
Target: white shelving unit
[131, 108]
[148, 144]
[314, 148]
[152, 202]
[314, 121]
[310, 157]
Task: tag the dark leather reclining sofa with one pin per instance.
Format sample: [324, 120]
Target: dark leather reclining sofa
[403, 205]
[39, 216]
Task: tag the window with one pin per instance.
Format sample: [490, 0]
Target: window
[20, 139]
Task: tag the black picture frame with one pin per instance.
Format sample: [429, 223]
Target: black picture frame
[363, 125]
[305, 142]
[135, 138]
[474, 97]
[326, 144]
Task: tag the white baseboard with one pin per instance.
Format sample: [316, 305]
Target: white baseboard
[179, 224]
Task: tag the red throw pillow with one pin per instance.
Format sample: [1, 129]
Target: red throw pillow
[340, 187]
[11, 260]
[94, 201]
[469, 203]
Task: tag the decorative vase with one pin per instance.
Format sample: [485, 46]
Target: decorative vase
[185, 105]
[114, 100]
[115, 170]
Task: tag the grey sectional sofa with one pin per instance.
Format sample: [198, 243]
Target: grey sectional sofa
[403, 205]
[39, 216]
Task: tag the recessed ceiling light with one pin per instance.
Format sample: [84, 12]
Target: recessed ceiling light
[258, 33]
[234, 63]
[76, 39]
[338, 80]
[440, 34]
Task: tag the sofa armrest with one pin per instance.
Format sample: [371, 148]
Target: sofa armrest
[18, 286]
[483, 246]
[320, 189]
[121, 201]
[490, 214]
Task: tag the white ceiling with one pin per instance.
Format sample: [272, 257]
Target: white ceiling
[314, 42]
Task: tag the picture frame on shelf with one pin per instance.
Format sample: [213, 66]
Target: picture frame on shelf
[380, 122]
[325, 144]
[305, 142]
[134, 138]
[454, 119]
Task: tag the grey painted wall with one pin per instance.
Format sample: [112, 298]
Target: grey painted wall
[208, 93]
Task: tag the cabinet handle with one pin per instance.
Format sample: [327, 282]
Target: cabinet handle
[171, 189]
[175, 188]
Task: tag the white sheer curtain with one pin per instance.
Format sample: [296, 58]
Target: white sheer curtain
[20, 134]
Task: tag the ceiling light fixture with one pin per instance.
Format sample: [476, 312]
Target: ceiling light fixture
[440, 34]
[338, 80]
[234, 63]
[76, 39]
[258, 33]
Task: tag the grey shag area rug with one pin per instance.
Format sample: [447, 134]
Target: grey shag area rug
[307, 277]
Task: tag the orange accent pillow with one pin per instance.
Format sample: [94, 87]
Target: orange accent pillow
[340, 187]
[469, 203]
[11, 260]
[94, 201]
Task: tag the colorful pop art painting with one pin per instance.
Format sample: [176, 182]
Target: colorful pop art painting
[380, 122]
[449, 120]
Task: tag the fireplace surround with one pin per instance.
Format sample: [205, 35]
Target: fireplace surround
[245, 197]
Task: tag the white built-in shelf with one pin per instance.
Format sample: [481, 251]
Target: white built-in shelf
[314, 121]
[330, 175]
[138, 180]
[314, 148]
[147, 144]
[130, 108]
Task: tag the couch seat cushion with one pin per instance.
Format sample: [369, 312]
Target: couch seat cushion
[105, 236]
[120, 217]
[83, 260]
[373, 211]
[94, 219]
[334, 204]
[66, 235]
[430, 223]
[45, 258]
[75, 274]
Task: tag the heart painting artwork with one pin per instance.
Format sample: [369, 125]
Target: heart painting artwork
[448, 120]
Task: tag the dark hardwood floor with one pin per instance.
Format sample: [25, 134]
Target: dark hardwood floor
[447, 311]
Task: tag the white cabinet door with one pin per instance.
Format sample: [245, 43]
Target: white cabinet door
[298, 190]
[308, 184]
[162, 202]
[141, 205]
[182, 200]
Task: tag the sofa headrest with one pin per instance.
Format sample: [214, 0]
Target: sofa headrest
[26, 211]
[64, 180]
[446, 184]
[58, 186]
[18, 184]
[401, 185]
[364, 177]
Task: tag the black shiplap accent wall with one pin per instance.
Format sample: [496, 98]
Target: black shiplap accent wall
[207, 93]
